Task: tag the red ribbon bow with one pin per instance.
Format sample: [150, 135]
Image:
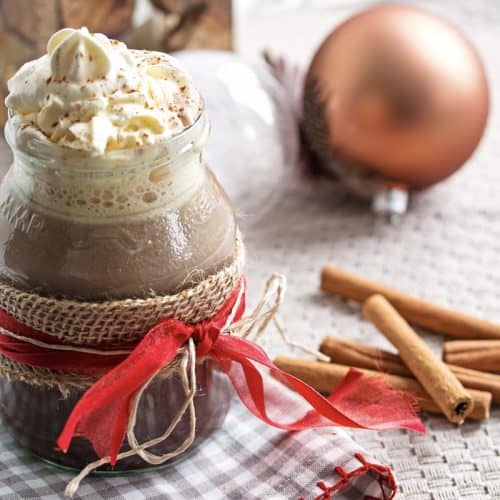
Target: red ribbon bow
[101, 415]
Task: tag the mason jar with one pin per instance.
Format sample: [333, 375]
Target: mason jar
[134, 223]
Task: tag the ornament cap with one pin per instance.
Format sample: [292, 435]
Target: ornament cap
[391, 200]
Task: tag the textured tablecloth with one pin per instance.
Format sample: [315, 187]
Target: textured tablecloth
[244, 459]
[446, 249]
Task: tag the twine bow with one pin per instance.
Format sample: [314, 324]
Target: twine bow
[108, 410]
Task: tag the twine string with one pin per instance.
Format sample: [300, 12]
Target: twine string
[62, 347]
[254, 325]
[187, 370]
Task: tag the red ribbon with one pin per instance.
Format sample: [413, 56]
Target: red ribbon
[101, 415]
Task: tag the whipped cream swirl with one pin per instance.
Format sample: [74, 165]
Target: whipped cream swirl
[92, 93]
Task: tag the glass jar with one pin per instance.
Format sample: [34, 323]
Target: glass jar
[127, 224]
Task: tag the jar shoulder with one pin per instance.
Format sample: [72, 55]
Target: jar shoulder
[114, 257]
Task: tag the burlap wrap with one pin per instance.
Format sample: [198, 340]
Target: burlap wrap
[116, 322]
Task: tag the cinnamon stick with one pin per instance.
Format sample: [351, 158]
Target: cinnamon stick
[417, 311]
[436, 378]
[477, 354]
[324, 377]
[358, 355]
[351, 353]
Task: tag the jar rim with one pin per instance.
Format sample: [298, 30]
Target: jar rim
[64, 159]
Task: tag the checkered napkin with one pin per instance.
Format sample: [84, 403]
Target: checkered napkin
[244, 459]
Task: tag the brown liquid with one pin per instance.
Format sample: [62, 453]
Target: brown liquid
[51, 255]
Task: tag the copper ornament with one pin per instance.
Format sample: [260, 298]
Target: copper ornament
[398, 92]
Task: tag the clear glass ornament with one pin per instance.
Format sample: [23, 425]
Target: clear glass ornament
[254, 133]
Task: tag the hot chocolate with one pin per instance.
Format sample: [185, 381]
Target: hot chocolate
[108, 198]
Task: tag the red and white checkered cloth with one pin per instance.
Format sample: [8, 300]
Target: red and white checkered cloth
[244, 459]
